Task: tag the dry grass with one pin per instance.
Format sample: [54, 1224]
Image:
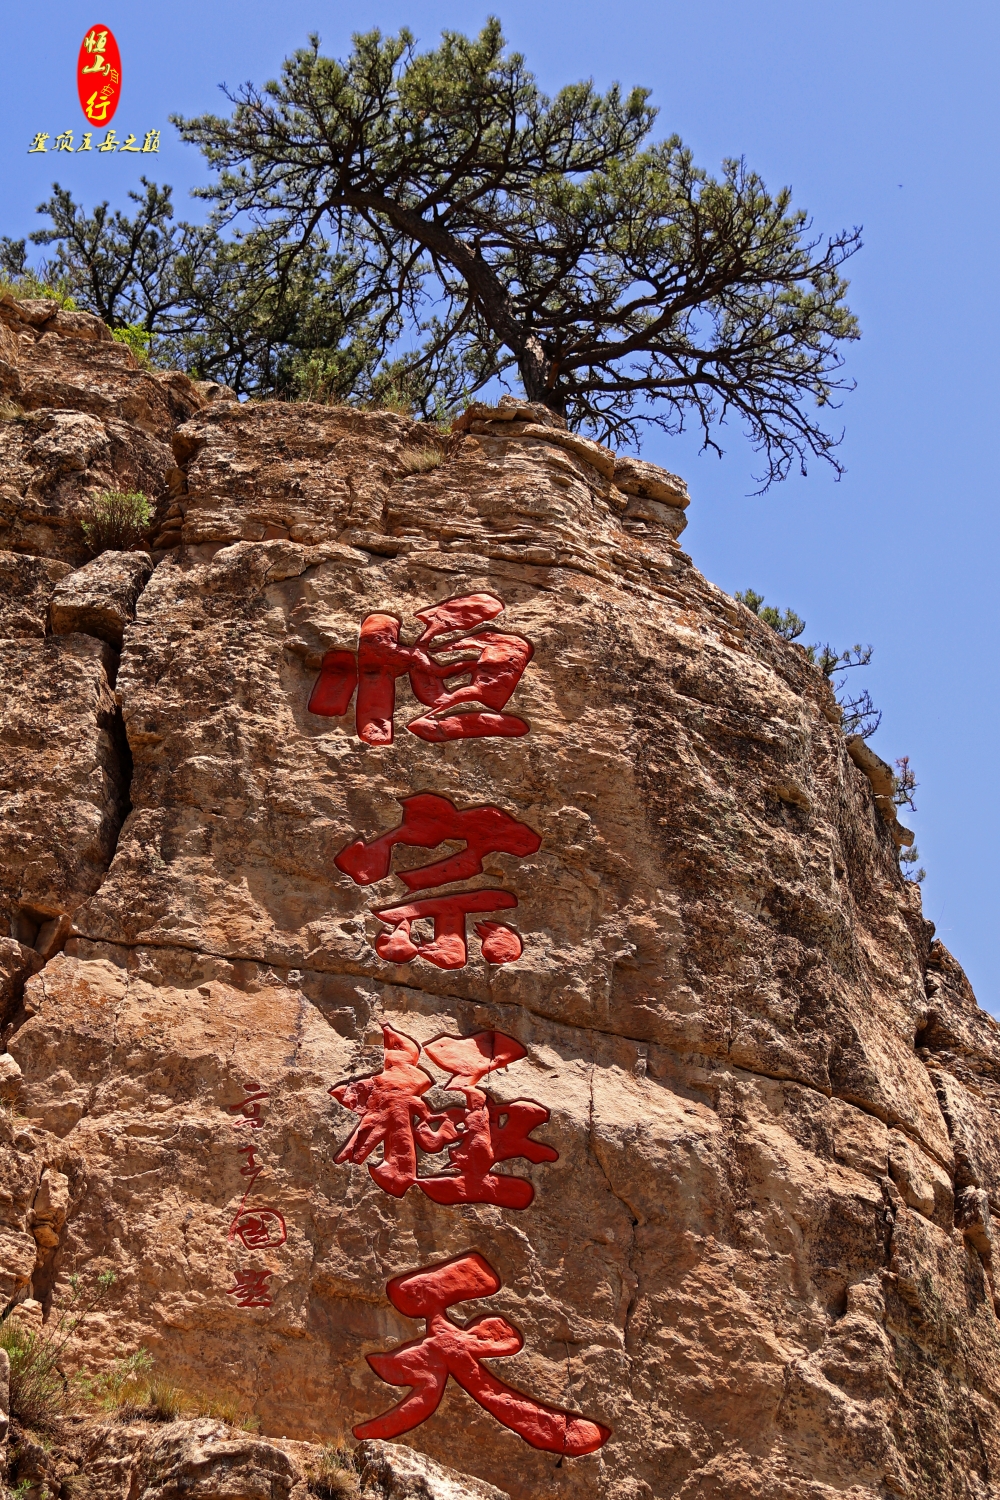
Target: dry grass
[37, 1390]
[226, 1408]
[421, 460]
[10, 411]
[333, 1476]
[134, 1394]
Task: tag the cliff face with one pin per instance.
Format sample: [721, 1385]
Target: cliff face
[593, 994]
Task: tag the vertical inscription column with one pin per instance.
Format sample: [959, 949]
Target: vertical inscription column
[394, 1116]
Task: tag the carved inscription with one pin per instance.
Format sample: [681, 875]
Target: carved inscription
[449, 1348]
[478, 1135]
[464, 676]
[494, 668]
[429, 820]
[250, 1289]
[261, 1227]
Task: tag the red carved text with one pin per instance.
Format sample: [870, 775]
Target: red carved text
[493, 670]
[448, 1348]
[395, 1116]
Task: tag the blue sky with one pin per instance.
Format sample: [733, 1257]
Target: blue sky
[883, 115]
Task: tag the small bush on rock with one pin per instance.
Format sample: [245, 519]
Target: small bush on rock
[116, 521]
[37, 1390]
[786, 622]
[136, 338]
[17, 277]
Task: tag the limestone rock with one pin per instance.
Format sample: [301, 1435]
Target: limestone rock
[62, 792]
[670, 517]
[634, 476]
[508, 409]
[973, 1218]
[883, 785]
[751, 1232]
[48, 1212]
[106, 381]
[211, 390]
[54, 462]
[206, 1459]
[26, 586]
[254, 475]
[393, 1472]
[99, 599]
[10, 1075]
[30, 1312]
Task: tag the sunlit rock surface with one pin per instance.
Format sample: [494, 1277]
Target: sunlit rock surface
[758, 1242]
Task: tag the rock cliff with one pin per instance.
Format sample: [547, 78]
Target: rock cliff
[457, 977]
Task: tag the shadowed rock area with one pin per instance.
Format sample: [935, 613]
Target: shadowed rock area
[690, 1005]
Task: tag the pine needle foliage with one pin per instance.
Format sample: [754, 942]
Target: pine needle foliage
[431, 223]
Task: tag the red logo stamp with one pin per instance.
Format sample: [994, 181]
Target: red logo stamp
[99, 75]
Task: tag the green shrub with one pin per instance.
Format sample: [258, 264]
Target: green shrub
[136, 338]
[116, 521]
[37, 1390]
[907, 859]
[17, 277]
[787, 623]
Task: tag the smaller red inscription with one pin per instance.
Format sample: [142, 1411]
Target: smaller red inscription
[258, 1228]
[251, 1289]
[450, 1349]
[251, 1109]
[251, 1168]
[261, 1227]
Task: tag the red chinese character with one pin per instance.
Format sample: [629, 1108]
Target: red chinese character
[450, 1349]
[478, 1137]
[448, 949]
[258, 1228]
[251, 1289]
[491, 1132]
[394, 1116]
[429, 820]
[251, 1168]
[250, 1108]
[493, 673]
